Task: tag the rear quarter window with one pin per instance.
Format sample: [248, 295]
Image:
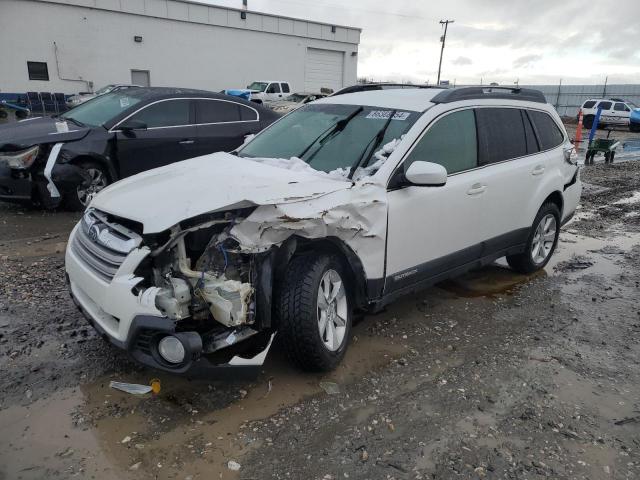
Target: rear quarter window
[589, 104]
[547, 130]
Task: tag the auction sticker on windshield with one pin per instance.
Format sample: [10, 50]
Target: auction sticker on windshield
[384, 115]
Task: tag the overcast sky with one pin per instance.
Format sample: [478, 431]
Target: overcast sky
[538, 42]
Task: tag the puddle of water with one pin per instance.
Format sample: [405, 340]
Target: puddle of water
[488, 281]
[42, 439]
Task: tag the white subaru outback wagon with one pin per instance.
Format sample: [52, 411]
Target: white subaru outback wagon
[341, 206]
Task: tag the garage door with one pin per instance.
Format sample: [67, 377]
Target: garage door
[323, 68]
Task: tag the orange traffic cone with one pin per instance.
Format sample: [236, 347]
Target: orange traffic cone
[578, 138]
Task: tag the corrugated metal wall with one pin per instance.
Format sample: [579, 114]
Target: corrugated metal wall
[568, 98]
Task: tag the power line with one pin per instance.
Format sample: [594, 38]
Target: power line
[443, 39]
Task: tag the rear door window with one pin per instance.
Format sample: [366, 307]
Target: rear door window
[605, 105]
[548, 133]
[285, 88]
[501, 134]
[450, 142]
[217, 111]
[167, 113]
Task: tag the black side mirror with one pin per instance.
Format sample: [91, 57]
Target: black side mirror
[130, 125]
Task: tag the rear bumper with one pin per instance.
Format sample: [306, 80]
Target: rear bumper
[571, 197]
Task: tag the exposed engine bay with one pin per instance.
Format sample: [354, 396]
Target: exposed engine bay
[198, 277]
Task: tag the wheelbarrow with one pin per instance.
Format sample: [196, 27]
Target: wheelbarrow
[602, 145]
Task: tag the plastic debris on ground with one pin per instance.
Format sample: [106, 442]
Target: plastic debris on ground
[232, 465]
[132, 388]
[330, 387]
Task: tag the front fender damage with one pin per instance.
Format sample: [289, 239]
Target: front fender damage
[217, 277]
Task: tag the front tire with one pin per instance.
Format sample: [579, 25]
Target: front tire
[79, 198]
[541, 242]
[313, 310]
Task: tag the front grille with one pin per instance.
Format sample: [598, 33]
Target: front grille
[101, 246]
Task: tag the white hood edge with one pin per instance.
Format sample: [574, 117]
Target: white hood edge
[162, 197]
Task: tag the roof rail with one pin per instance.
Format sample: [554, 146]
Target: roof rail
[482, 92]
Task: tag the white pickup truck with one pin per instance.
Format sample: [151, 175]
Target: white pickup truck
[269, 91]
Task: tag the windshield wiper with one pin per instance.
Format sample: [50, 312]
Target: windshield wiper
[377, 141]
[338, 127]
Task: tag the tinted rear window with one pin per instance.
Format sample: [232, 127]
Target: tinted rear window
[216, 111]
[501, 134]
[589, 104]
[548, 132]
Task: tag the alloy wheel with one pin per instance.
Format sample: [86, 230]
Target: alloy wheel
[98, 182]
[543, 239]
[332, 310]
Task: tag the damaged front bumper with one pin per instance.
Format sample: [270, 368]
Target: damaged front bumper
[128, 316]
[24, 186]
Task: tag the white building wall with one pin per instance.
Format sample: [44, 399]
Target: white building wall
[184, 44]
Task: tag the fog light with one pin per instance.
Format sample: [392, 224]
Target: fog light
[171, 349]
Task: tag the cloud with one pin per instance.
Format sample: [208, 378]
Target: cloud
[462, 61]
[526, 61]
[490, 39]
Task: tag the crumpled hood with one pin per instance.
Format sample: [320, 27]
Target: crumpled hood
[162, 197]
[37, 131]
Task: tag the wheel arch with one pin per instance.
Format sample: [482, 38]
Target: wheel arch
[556, 198]
[103, 162]
[353, 267]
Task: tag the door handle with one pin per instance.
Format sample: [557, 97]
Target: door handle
[476, 189]
[187, 142]
[538, 170]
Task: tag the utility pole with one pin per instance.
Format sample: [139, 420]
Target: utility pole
[443, 38]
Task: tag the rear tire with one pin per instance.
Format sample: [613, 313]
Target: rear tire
[78, 198]
[313, 310]
[541, 242]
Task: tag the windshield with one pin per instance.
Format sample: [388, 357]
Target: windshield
[99, 110]
[314, 134]
[296, 97]
[261, 86]
[105, 89]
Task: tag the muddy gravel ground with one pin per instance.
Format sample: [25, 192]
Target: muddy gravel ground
[493, 375]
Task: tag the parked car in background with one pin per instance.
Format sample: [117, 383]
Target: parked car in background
[294, 101]
[614, 111]
[75, 100]
[341, 206]
[73, 156]
[264, 91]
